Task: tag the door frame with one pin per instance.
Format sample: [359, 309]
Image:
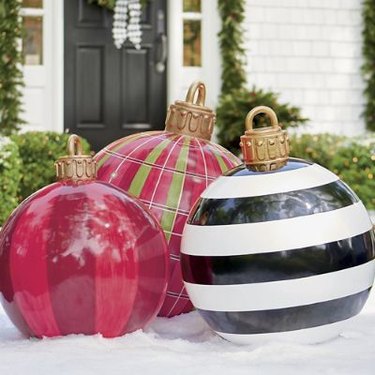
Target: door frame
[58, 61]
[178, 77]
[57, 66]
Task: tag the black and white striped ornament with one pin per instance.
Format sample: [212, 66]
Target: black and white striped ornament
[278, 254]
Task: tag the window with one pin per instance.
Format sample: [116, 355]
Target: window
[192, 6]
[32, 3]
[192, 33]
[32, 43]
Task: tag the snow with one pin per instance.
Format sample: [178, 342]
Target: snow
[185, 345]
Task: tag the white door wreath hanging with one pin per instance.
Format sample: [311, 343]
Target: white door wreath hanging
[126, 23]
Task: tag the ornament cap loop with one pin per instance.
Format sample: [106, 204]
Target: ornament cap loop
[74, 145]
[75, 166]
[264, 149]
[195, 87]
[256, 111]
[191, 117]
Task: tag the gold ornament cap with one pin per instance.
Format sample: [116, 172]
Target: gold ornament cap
[264, 149]
[75, 166]
[191, 117]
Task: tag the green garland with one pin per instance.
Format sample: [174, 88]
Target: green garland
[368, 67]
[11, 77]
[110, 4]
[236, 99]
[233, 74]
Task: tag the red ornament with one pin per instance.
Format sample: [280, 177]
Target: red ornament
[168, 170]
[81, 256]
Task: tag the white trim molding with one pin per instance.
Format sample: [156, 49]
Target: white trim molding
[180, 77]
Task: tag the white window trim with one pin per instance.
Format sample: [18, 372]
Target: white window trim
[192, 16]
[58, 63]
[179, 77]
[32, 12]
[49, 76]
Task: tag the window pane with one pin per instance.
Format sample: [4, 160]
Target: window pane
[192, 6]
[32, 44]
[32, 3]
[192, 43]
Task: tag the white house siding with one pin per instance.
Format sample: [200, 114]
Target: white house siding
[309, 51]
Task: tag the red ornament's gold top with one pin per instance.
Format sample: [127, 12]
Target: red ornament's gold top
[189, 117]
[75, 166]
[264, 149]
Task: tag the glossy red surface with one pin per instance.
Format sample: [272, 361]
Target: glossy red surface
[82, 258]
[167, 172]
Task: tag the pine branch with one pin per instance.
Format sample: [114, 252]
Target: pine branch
[368, 67]
[233, 74]
[11, 77]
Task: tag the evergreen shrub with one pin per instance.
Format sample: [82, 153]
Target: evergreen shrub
[38, 152]
[10, 175]
[352, 159]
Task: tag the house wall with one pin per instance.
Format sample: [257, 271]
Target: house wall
[309, 51]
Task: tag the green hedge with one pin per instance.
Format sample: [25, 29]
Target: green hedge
[38, 152]
[10, 174]
[352, 159]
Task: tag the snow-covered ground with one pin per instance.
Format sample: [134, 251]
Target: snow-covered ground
[185, 345]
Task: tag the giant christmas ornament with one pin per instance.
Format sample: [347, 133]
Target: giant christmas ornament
[278, 248]
[168, 170]
[81, 256]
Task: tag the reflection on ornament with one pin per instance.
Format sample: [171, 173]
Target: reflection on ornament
[168, 170]
[81, 256]
[278, 248]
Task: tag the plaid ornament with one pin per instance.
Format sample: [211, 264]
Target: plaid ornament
[167, 171]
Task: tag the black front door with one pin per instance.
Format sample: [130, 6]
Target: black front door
[111, 93]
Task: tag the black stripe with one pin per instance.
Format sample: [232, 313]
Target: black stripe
[278, 206]
[279, 265]
[292, 164]
[288, 319]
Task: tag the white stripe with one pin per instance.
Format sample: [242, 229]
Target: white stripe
[264, 184]
[303, 336]
[282, 294]
[277, 235]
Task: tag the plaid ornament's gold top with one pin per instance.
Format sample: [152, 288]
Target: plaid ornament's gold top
[264, 149]
[191, 117]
